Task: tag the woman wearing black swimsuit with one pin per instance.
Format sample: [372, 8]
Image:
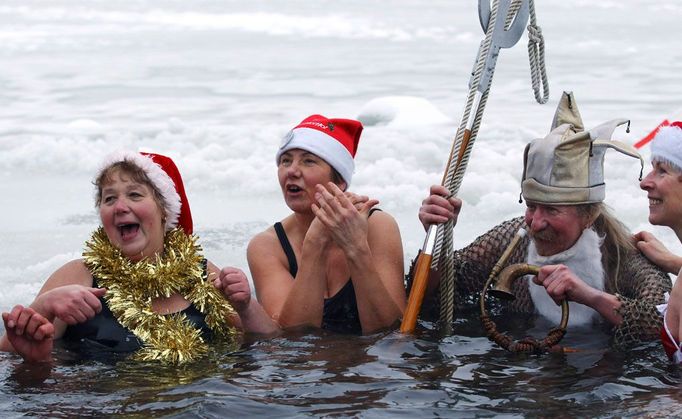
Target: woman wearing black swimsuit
[329, 264]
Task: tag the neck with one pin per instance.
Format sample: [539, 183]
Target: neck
[146, 253]
[678, 232]
[304, 219]
[142, 255]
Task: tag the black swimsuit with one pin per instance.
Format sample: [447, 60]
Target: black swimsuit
[104, 333]
[340, 313]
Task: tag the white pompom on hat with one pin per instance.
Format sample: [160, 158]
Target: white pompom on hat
[667, 145]
[333, 140]
[165, 178]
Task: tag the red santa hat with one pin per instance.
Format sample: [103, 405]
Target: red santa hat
[667, 145]
[165, 177]
[333, 140]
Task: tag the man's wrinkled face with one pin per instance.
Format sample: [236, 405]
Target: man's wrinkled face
[554, 228]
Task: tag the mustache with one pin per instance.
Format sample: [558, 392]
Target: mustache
[544, 235]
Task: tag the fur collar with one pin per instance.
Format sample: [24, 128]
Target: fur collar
[583, 259]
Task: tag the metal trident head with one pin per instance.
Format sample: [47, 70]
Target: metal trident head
[510, 22]
[508, 26]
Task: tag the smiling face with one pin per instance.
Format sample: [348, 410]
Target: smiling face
[554, 228]
[131, 215]
[664, 190]
[298, 172]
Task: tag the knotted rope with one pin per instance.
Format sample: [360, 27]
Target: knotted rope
[536, 58]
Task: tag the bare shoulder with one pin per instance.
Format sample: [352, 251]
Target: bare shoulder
[71, 273]
[381, 221]
[266, 259]
[383, 233]
[387, 250]
[74, 272]
[262, 241]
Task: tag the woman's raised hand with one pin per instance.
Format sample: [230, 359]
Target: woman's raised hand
[345, 219]
[235, 287]
[31, 334]
[358, 201]
[656, 252]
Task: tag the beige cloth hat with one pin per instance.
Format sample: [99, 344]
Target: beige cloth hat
[567, 166]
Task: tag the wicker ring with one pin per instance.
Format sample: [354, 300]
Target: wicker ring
[503, 290]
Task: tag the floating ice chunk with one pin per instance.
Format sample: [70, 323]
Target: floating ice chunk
[401, 112]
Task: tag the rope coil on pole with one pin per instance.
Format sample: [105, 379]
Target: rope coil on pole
[438, 243]
[455, 173]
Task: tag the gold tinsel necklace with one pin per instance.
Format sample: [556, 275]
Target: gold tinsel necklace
[131, 287]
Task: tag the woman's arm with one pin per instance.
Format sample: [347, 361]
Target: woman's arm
[377, 274]
[290, 302]
[374, 255]
[65, 298]
[673, 316]
[28, 333]
[234, 285]
[656, 252]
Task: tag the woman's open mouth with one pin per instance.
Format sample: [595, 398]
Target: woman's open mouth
[128, 231]
[294, 189]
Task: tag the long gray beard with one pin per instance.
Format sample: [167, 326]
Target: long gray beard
[584, 260]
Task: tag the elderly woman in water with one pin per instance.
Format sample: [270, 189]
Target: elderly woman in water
[335, 263]
[664, 191]
[142, 284]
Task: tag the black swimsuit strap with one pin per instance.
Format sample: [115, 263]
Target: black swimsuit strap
[288, 250]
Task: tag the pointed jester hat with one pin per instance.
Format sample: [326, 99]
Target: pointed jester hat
[567, 166]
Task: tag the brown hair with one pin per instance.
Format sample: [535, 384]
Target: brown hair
[337, 178]
[135, 173]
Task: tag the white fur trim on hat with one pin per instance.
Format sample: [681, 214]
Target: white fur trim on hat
[322, 145]
[158, 177]
[667, 146]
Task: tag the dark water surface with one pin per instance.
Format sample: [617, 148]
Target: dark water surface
[383, 375]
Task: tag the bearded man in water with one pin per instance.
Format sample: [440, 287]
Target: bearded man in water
[586, 255]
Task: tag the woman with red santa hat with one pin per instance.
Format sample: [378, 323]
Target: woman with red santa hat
[335, 263]
[664, 191]
[142, 285]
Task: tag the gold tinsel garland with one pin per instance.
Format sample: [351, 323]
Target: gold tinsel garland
[132, 286]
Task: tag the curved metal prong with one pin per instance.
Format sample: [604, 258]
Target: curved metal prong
[484, 14]
[504, 37]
